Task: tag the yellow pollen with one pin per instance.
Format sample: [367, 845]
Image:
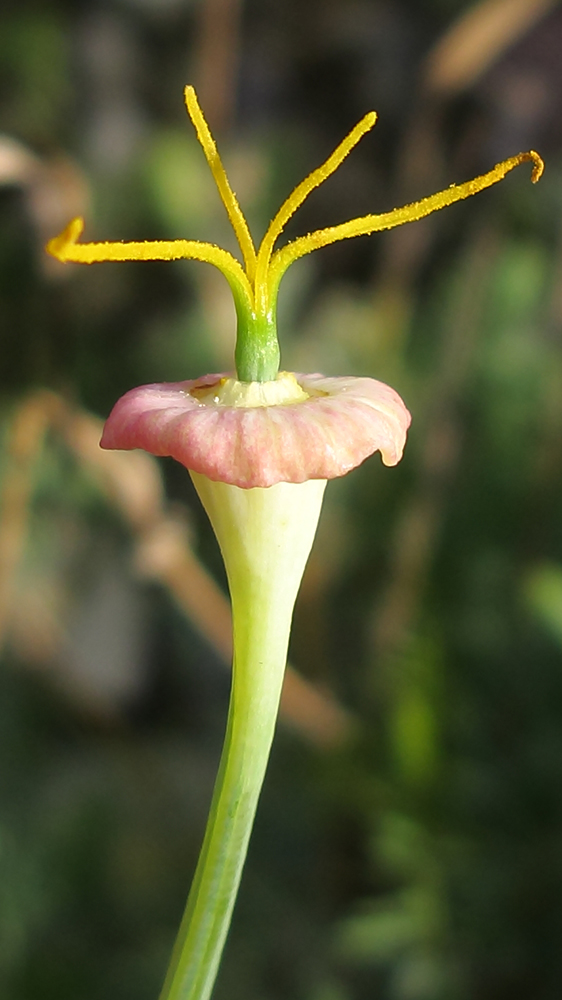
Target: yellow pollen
[255, 286]
[229, 199]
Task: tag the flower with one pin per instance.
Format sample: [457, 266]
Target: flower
[256, 434]
[309, 427]
[260, 447]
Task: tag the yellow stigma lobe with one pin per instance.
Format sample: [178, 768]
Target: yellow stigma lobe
[66, 248]
[301, 192]
[398, 216]
[255, 287]
[229, 199]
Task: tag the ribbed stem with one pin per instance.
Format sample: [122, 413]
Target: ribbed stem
[265, 537]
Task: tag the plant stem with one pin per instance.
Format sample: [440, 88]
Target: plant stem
[265, 537]
[251, 722]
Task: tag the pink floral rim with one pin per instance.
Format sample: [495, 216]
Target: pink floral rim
[341, 423]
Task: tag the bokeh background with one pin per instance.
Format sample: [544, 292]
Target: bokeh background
[409, 839]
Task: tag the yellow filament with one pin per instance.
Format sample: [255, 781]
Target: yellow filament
[229, 199]
[301, 192]
[66, 248]
[407, 213]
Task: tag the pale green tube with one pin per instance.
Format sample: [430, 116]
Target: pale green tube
[265, 537]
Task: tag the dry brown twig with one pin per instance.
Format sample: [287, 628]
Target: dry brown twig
[23, 445]
[477, 39]
[216, 59]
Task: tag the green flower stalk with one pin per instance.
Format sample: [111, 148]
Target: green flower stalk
[264, 564]
[260, 446]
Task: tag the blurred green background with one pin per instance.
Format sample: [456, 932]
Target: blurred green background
[408, 844]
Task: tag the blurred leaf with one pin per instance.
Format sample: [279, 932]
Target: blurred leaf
[542, 590]
[181, 184]
[413, 711]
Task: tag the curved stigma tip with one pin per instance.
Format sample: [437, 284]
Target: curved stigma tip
[59, 245]
[538, 165]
